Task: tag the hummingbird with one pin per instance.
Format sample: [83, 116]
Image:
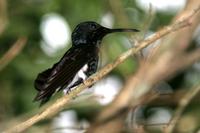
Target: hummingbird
[77, 64]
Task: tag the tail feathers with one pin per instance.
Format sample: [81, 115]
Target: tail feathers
[44, 93]
[41, 79]
[44, 96]
[43, 101]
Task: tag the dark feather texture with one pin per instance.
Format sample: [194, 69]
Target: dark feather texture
[62, 73]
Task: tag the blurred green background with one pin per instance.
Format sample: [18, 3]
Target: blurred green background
[27, 18]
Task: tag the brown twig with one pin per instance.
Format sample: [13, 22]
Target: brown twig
[60, 103]
[185, 100]
[3, 15]
[12, 52]
[119, 12]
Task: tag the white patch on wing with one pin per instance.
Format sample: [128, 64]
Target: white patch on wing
[80, 74]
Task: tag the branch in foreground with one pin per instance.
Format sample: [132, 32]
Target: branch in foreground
[12, 52]
[160, 68]
[60, 103]
[3, 15]
[182, 105]
[140, 84]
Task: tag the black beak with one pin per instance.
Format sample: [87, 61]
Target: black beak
[108, 31]
[123, 30]
[104, 31]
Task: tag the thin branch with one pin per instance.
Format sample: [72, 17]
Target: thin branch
[60, 103]
[172, 99]
[12, 52]
[148, 21]
[183, 103]
[119, 12]
[3, 15]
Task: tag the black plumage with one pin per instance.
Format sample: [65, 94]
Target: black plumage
[86, 39]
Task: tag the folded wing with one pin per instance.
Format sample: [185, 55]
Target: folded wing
[63, 72]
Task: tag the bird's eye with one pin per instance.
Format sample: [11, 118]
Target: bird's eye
[93, 26]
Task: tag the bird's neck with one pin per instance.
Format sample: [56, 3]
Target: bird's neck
[91, 44]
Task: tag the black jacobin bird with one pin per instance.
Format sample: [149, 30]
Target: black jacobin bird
[78, 63]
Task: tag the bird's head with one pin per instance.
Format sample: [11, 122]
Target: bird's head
[91, 33]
